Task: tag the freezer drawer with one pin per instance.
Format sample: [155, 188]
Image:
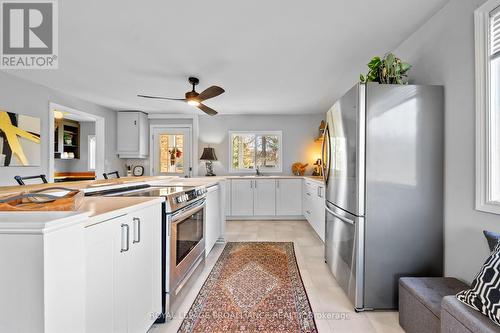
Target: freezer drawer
[344, 251]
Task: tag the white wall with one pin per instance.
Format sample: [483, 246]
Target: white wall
[299, 132]
[442, 52]
[24, 97]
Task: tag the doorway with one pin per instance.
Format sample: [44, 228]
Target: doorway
[76, 144]
[172, 151]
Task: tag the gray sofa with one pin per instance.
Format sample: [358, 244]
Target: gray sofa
[428, 305]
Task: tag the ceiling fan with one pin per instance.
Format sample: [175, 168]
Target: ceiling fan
[194, 98]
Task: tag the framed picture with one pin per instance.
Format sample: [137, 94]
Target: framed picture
[19, 140]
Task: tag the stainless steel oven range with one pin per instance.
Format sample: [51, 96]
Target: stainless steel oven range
[183, 235]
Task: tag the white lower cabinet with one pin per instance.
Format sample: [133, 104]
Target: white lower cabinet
[213, 220]
[314, 206]
[242, 197]
[288, 197]
[264, 197]
[123, 272]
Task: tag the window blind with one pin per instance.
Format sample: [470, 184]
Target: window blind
[495, 33]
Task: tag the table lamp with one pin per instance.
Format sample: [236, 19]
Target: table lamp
[209, 156]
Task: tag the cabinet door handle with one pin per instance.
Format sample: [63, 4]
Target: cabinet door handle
[127, 238]
[251, 184]
[278, 184]
[255, 183]
[138, 233]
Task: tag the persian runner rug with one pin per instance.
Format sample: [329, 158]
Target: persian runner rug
[253, 287]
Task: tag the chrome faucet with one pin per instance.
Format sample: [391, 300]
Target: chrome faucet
[257, 172]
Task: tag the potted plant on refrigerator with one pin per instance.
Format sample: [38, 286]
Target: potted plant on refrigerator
[387, 70]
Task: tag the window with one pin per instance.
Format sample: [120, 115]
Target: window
[487, 33]
[251, 150]
[92, 151]
[171, 153]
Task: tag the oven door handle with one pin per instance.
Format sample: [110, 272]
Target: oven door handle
[188, 211]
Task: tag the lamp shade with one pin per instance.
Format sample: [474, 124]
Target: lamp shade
[208, 154]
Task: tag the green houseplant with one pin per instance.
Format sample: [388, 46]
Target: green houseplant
[387, 70]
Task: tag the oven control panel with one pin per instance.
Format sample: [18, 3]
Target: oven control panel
[182, 198]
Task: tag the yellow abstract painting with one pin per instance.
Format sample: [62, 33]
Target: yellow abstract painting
[19, 140]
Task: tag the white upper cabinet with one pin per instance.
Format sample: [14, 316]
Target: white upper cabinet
[241, 197]
[288, 197]
[132, 134]
[264, 194]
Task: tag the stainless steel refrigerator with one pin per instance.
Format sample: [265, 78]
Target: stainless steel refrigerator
[383, 167]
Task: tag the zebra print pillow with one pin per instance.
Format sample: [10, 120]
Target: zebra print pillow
[484, 295]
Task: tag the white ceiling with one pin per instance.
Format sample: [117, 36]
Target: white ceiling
[272, 57]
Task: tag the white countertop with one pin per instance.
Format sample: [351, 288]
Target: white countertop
[96, 209]
[93, 210]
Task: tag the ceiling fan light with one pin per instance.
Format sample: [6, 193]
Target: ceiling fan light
[193, 102]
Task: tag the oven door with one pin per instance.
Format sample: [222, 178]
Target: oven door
[187, 243]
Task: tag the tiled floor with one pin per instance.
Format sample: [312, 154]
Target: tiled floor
[334, 312]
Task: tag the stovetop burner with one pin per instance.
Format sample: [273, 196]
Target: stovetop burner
[175, 196]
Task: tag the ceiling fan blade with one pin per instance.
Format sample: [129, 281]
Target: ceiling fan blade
[210, 92]
[157, 97]
[207, 110]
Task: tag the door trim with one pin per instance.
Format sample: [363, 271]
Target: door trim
[100, 124]
[175, 126]
[195, 133]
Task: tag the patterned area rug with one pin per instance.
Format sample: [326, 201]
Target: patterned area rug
[253, 287]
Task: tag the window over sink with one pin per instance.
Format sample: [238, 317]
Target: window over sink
[487, 40]
[249, 150]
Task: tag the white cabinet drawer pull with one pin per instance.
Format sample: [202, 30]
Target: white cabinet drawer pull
[127, 228]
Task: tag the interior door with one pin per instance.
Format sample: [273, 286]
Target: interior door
[171, 151]
[346, 146]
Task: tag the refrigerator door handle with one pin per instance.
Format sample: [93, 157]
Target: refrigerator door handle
[340, 217]
[326, 157]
